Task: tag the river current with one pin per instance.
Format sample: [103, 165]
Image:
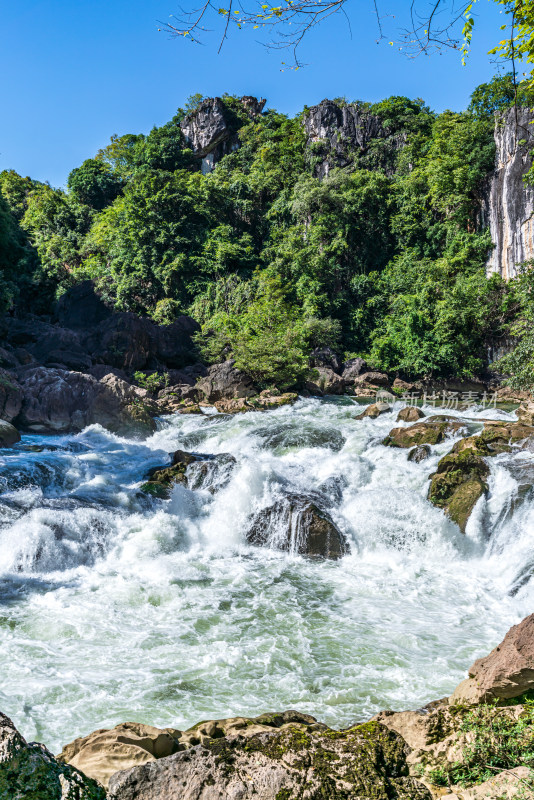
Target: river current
[116, 607]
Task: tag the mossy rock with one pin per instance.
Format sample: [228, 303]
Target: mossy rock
[432, 431]
[497, 438]
[155, 489]
[457, 484]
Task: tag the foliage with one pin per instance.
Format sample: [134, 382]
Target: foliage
[166, 311]
[518, 365]
[152, 382]
[94, 184]
[498, 95]
[496, 741]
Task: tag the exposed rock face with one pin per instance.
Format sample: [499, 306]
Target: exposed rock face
[353, 369]
[81, 307]
[497, 437]
[506, 672]
[365, 761]
[225, 382]
[10, 396]
[510, 204]
[29, 770]
[211, 130]
[459, 481]
[371, 380]
[337, 134]
[60, 401]
[410, 414]
[325, 357]
[296, 524]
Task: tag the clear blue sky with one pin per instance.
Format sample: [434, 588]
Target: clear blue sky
[75, 73]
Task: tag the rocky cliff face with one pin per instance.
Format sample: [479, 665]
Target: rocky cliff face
[509, 207]
[338, 134]
[211, 130]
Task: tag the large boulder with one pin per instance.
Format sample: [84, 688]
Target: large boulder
[81, 307]
[374, 410]
[508, 671]
[325, 357]
[194, 470]
[104, 752]
[328, 381]
[225, 382]
[433, 431]
[353, 368]
[59, 401]
[9, 435]
[28, 771]
[10, 396]
[498, 437]
[296, 524]
[371, 380]
[458, 483]
[410, 414]
[362, 762]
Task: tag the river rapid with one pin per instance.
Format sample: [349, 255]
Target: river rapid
[115, 606]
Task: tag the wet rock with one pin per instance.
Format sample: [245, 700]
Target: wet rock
[296, 524]
[105, 751]
[62, 401]
[365, 761]
[419, 453]
[410, 414]
[432, 431]
[498, 437]
[211, 472]
[506, 672]
[225, 382]
[263, 402]
[9, 435]
[374, 410]
[10, 396]
[29, 770]
[459, 481]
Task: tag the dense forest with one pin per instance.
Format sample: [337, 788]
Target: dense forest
[382, 258]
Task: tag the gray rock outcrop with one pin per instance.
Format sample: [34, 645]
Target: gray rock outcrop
[28, 771]
[509, 204]
[225, 382]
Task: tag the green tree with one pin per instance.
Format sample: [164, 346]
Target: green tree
[94, 184]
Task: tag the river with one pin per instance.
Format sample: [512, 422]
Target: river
[115, 606]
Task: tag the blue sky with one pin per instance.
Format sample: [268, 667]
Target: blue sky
[75, 73]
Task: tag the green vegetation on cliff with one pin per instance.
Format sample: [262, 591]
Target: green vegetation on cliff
[381, 257]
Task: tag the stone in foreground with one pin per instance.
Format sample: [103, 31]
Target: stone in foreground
[432, 431]
[457, 484]
[506, 672]
[28, 771]
[9, 435]
[367, 761]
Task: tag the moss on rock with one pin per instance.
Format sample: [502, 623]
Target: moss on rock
[457, 484]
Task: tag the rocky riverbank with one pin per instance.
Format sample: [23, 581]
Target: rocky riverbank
[475, 744]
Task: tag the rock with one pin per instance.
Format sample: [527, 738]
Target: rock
[338, 135]
[354, 367]
[506, 672]
[525, 413]
[498, 437]
[61, 401]
[211, 130]
[363, 762]
[403, 385]
[432, 431]
[225, 382]
[28, 771]
[459, 481]
[237, 406]
[263, 402]
[211, 472]
[285, 433]
[508, 785]
[296, 524]
[510, 200]
[9, 435]
[205, 732]
[328, 381]
[373, 379]
[374, 410]
[105, 751]
[325, 357]
[10, 396]
[410, 414]
[81, 307]
[419, 453]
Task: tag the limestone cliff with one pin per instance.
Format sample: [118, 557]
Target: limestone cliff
[339, 134]
[211, 130]
[509, 206]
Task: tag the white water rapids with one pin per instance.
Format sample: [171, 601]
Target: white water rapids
[116, 607]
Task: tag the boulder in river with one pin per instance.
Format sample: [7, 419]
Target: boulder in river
[374, 410]
[296, 524]
[410, 414]
[10, 396]
[328, 381]
[211, 472]
[29, 770]
[364, 761]
[432, 431]
[419, 453]
[9, 435]
[498, 437]
[459, 481]
[507, 672]
[225, 382]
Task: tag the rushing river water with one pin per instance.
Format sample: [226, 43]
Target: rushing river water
[116, 607]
